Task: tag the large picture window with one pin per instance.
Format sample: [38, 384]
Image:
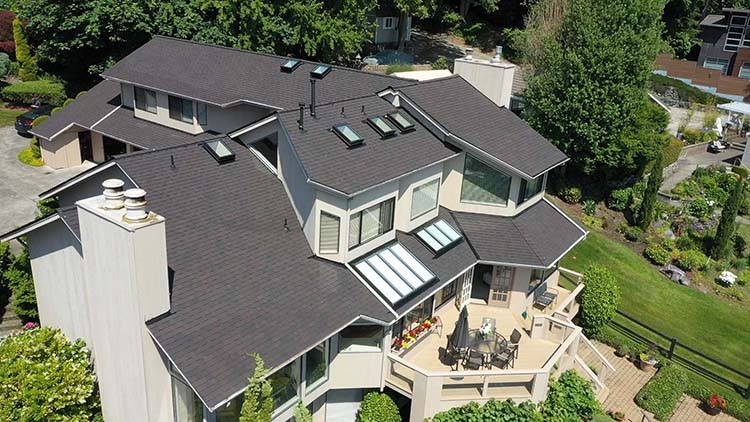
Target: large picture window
[329, 233]
[530, 188]
[424, 198]
[316, 366]
[716, 64]
[360, 338]
[285, 383]
[145, 99]
[180, 109]
[540, 276]
[371, 223]
[484, 185]
[187, 406]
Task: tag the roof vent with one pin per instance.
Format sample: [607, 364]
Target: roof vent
[290, 65]
[113, 194]
[498, 55]
[135, 205]
[469, 52]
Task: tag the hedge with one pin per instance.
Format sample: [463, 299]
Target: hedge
[661, 394]
[25, 92]
[661, 83]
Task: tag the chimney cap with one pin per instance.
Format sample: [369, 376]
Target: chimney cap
[113, 184]
[469, 52]
[135, 193]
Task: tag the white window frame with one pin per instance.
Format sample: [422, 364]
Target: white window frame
[746, 68]
[437, 198]
[361, 212]
[389, 22]
[321, 250]
[463, 293]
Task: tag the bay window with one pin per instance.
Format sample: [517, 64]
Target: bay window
[483, 184]
[285, 383]
[186, 405]
[371, 223]
[424, 198]
[530, 188]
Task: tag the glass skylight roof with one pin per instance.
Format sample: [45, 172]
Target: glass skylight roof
[219, 150]
[320, 71]
[381, 126]
[348, 135]
[290, 65]
[439, 236]
[394, 272]
[404, 124]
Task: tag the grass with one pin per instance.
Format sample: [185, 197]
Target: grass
[8, 116]
[704, 322]
[398, 67]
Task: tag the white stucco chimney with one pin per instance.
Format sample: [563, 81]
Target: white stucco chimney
[126, 280]
[493, 78]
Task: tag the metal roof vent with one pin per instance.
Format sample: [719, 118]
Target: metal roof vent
[113, 194]
[469, 52]
[135, 205]
[498, 55]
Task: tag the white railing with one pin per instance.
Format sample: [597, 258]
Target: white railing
[568, 308]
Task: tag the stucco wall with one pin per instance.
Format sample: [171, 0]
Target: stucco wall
[494, 80]
[62, 151]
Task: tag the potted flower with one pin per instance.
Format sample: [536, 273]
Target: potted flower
[397, 343]
[715, 404]
[647, 360]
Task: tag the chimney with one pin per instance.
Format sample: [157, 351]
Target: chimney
[493, 78]
[126, 283]
[301, 120]
[312, 97]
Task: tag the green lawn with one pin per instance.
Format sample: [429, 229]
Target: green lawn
[704, 322]
[8, 116]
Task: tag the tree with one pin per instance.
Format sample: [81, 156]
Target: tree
[378, 407]
[681, 25]
[650, 195]
[301, 414]
[416, 8]
[19, 280]
[46, 377]
[4, 64]
[26, 59]
[599, 299]
[589, 70]
[258, 404]
[493, 410]
[7, 45]
[570, 399]
[489, 6]
[721, 246]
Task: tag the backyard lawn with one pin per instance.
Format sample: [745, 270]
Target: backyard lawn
[8, 116]
[704, 322]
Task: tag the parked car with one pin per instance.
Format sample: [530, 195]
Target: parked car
[24, 121]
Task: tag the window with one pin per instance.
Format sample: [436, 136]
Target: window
[285, 382]
[413, 318]
[268, 150]
[187, 407]
[394, 272]
[539, 276]
[388, 23]
[320, 71]
[445, 294]
[316, 366]
[744, 71]
[145, 100]
[202, 110]
[361, 338]
[180, 109]
[424, 198]
[716, 64]
[439, 236]
[400, 120]
[329, 233]
[230, 412]
[348, 135]
[113, 147]
[371, 223]
[219, 150]
[529, 188]
[381, 126]
[483, 184]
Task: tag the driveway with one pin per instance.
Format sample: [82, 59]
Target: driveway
[21, 184]
[694, 157]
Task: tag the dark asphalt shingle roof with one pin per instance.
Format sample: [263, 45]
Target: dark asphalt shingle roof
[123, 125]
[84, 111]
[328, 160]
[241, 284]
[221, 75]
[469, 115]
[538, 236]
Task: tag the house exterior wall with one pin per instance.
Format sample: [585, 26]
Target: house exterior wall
[92, 186]
[61, 151]
[494, 80]
[301, 194]
[356, 369]
[225, 120]
[97, 146]
[390, 36]
[713, 46]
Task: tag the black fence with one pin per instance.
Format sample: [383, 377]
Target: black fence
[687, 356]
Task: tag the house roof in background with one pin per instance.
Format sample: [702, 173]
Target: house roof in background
[536, 237]
[469, 115]
[228, 254]
[327, 159]
[96, 103]
[714, 20]
[225, 76]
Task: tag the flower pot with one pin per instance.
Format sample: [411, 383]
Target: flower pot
[713, 411]
[646, 365]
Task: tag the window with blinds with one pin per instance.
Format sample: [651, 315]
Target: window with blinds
[424, 198]
[484, 185]
[329, 233]
[371, 223]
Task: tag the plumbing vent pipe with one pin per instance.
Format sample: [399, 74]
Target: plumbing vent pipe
[135, 205]
[113, 194]
[312, 97]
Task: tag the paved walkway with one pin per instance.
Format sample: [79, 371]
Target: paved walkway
[689, 410]
[694, 157]
[624, 384]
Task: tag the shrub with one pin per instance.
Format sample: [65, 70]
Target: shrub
[493, 410]
[28, 156]
[440, 63]
[589, 207]
[646, 211]
[68, 101]
[301, 414]
[699, 208]
[619, 199]
[28, 66]
[691, 259]
[694, 136]
[378, 407]
[570, 398]
[625, 345]
[721, 246]
[685, 92]
[398, 67]
[25, 92]
[631, 233]
[661, 394]
[591, 221]
[672, 151]
[19, 280]
[571, 194]
[599, 299]
[658, 254]
[744, 277]
[46, 377]
[7, 45]
[4, 64]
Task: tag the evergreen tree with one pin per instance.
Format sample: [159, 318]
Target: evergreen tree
[28, 66]
[722, 243]
[258, 404]
[646, 213]
[301, 414]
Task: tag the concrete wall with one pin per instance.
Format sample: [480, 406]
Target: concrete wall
[356, 369]
[62, 151]
[494, 80]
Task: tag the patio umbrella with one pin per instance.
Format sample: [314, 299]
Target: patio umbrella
[460, 336]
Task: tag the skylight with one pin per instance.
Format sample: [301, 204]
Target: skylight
[404, 124]
[348, 135]
[320, 71]
[439, 236]
[394, 272]
[290, 65]
[219, 150]
[381, 126]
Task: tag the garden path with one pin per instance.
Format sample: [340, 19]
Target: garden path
[689, 410]
[624, 384]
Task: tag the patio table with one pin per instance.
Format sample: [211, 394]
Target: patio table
[488, 344]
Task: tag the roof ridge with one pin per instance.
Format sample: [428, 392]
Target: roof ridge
[531, 245]
[307, 106]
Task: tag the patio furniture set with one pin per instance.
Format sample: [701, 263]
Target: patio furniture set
[481, 348]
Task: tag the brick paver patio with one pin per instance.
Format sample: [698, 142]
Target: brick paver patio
[689, 410]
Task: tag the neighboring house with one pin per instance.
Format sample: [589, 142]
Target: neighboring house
[312, 235]
[387, 25]
[723, 66]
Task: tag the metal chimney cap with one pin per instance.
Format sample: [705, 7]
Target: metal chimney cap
[469, 52]
[113, 184]
[135, 193]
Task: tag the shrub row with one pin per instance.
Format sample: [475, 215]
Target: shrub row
[661, 394]
[25, 92]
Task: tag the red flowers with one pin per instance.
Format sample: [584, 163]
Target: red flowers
[715, 401]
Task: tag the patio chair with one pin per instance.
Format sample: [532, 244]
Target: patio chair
[438, 325]
[503, 360]
[545, 297]
[454, 355]
[515, 340]
[474, 360]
